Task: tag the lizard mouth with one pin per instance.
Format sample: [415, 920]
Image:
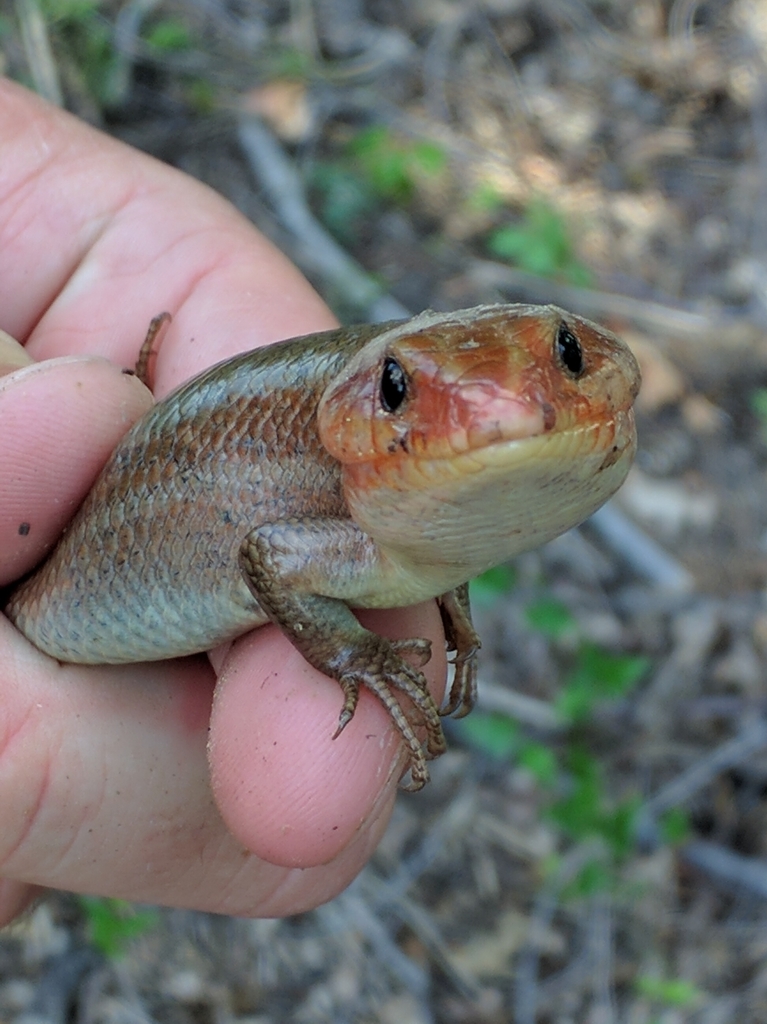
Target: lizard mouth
[479, 507]
[597, 446]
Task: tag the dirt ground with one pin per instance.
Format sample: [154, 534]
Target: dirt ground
[611, 157]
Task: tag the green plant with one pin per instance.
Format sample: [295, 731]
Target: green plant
[345, 198]
[376, 166]
[201, 95]
[497, 736]
[586, 811]
[494, 582]
[485, 197]
[674, 826]
[288, 62]
[393, 166]
[111, 924]
[550, 617]
[84, 37]
[69, 10]
[540, 244]
[169, 35]
[597, 675]
[540, 760]
[758, 402]
[501, 738]
[671, 992]
[578, 797]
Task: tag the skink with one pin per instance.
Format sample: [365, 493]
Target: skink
[365, 467]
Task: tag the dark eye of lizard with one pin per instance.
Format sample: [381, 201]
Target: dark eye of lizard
[568, 350]
[393, 385]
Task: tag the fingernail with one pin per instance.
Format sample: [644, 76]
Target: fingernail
[12, 355]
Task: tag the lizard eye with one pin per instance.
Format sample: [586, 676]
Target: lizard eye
[393, 385]
[569, 351]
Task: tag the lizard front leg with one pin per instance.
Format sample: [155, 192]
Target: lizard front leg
[302, 572]
[462, 638]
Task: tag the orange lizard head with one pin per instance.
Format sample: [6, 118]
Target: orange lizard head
[482, 433]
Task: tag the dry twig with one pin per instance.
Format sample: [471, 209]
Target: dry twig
[315, 250]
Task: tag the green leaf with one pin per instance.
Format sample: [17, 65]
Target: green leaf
[201, 95]
[391, 165]
[429, 158]
[345, 199]
[69, 10]
[617, 827]
[485, 198]
[288, 62]
[674, 992]
[113, 923]
[540, 761]
[550, 617]
[490, 584]
[595, 876]
[675, 826]
[169, 35]
[509, 243]
[585, 811]
[613, 674]
[382, 162]
[758, 403]
[539, 243]
[575, 273]
[495, 735]
[578, 812]
[598, 675]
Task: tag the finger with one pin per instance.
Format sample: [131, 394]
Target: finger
[96, 239]
[12, 355]
[59, 421]
[15, 897]
[103, 789]
[286, 788]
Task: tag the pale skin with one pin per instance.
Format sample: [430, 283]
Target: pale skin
[209, 782]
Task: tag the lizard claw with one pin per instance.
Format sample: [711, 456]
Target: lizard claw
[463, 689]
[414, 647]
[388, 676]
[351, 689]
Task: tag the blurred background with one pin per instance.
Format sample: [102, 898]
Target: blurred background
[593, 847]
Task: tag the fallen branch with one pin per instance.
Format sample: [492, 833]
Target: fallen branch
[315, 250]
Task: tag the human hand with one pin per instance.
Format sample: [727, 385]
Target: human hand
[204, 782]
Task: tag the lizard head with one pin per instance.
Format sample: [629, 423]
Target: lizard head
[468, 437]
